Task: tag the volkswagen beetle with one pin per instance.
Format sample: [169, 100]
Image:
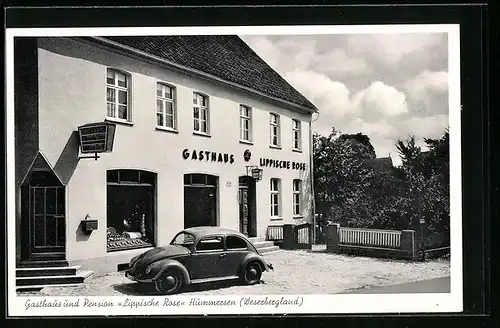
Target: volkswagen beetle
[197, 255]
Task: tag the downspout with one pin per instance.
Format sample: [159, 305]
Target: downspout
[311, 175]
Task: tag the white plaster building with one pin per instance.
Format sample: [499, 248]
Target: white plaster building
[191, 115]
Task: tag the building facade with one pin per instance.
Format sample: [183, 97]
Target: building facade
[193, 144]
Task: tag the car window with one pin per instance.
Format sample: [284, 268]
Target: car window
[214, 243]
[183, 239]
[235, 242]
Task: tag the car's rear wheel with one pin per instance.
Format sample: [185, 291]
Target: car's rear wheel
[252, 273]
[169, 283]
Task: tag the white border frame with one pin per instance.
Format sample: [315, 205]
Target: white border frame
[341, 303]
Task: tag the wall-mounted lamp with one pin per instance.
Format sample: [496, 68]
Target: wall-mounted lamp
[255, 172]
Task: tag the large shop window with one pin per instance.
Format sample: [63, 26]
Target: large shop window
[130, 213]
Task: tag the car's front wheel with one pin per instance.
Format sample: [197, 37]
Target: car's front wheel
[252, 273]
[169, 283]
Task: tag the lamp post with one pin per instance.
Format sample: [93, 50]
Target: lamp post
[422, 246]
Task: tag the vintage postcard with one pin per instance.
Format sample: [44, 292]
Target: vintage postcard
[234, 170]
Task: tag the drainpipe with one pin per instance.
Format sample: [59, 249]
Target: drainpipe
[311, 175]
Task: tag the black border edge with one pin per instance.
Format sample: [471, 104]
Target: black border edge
[474, 80]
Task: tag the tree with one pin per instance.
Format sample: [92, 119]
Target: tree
[408, 150]
[363, 139]
[426, 178]
[355, 194]
[341, 176]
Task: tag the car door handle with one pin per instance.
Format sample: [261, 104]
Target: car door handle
[222, 255]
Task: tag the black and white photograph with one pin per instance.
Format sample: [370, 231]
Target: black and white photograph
[234, 170]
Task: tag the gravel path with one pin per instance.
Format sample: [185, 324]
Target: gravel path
[296, 272]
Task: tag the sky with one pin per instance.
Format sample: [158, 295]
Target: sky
[387, 86]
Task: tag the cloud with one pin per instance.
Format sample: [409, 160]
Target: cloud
[427, 81]
[387, 86]
[337, 62]
[331, 97]
[428, 127]
[300, 53]
[390, 49]
[428, 92]
[266, 49]
[380, 101]
[379, 129]
[376, 102]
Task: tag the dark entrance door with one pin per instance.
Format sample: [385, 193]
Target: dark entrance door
[246, 199]
[200, 200]
[46, 228]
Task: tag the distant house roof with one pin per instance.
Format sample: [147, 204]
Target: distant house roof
[226, 57]
[380, 164]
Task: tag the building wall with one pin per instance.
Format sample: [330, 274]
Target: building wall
[72, 92]
[25, 117]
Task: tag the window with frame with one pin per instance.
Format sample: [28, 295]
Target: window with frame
[215, 243]
[166, 115]
[118, 95]
[296, 135]
[245, 123]
[235, 242]
[275, 197]
[183, 239]
[274, 124]
[201, 113]
[297, 193]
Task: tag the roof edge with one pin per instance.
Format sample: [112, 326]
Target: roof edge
[113, 44]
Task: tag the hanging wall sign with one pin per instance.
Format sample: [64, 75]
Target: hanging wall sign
[289, 165]
[207, 156]
[96, 137]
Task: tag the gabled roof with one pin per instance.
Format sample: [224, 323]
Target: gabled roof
[226, 57]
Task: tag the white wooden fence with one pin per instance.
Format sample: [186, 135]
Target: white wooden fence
[368, 237]
[274, 233]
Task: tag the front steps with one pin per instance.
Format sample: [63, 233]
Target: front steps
[37, 275]
[263, 246]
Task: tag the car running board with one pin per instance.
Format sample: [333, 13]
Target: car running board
[201, 281]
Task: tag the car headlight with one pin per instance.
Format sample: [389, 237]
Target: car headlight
[149, 268]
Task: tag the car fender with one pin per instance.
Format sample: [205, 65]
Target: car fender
[255, 257]
[162, 265]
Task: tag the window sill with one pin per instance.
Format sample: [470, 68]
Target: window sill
[118, 121]
[246, 142]
[297, 150]
[298, 216]
[274, 147]
[201, 134]
[162, 128]
[276, 218]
